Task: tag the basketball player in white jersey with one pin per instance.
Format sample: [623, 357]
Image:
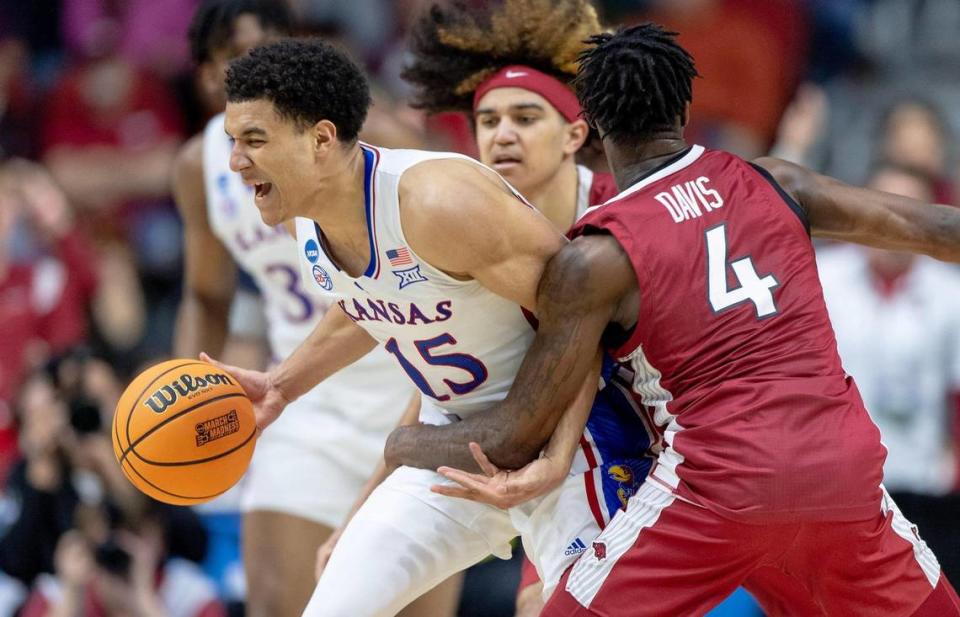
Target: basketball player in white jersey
[308, 470]
[433, 255]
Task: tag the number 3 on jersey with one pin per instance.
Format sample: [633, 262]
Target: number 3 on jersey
[752, 288]
[473, 366]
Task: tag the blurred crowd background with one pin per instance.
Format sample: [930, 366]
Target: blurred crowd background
[97, 95]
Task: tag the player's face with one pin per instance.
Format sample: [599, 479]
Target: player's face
[522, 136]
[272, 155]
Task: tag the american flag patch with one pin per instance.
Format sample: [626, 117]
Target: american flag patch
[399, 257]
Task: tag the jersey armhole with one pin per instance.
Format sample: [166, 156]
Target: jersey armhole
[790, 201]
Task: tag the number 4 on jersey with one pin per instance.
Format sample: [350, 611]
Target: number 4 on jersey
[752, 287]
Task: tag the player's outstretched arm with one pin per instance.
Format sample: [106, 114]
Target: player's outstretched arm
[865, 216]
[334, 343]
[209, 271]
[505, 488]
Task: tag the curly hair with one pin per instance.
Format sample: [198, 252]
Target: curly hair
[455, 46]
[635, 82]
[212, 24]
[307, 81]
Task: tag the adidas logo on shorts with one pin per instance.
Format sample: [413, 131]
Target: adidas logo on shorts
[576, 547]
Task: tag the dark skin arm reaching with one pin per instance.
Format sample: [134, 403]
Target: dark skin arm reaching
[587, 285]
[839, 211]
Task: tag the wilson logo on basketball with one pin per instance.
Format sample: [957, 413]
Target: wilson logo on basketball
[185, 386]
[218, 427]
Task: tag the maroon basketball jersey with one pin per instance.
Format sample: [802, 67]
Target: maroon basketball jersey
[733, 349]
[602, 188]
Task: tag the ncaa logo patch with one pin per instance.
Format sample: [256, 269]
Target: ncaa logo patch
[322, 278]
[312, 251]
[226, 204]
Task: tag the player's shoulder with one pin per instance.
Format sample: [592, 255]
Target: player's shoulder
[187, 179]
[189, 158]
[451, 187]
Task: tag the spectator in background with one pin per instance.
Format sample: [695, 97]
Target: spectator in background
[68, 477]
[365, 24]
[741, 46]
[39, 500]
[147, 33]
[127, 574]
[17, 121]
[47, 281]
[914, 133]
[897, 321]
[109, 135]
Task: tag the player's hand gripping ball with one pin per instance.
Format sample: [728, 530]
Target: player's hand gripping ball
[184, 431]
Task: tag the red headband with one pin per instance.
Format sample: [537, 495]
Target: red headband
[550, 88]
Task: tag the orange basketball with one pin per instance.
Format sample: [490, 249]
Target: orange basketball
[184, 431]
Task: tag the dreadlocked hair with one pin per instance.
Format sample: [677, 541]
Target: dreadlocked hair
[634, 83]
[457, 45]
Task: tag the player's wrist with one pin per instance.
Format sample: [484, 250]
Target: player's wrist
[279, 386]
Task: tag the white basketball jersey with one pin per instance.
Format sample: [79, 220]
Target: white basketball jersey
[269, 255]
[459, 343]
[584, 184]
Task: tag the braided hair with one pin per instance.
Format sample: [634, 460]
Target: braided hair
[455, 46]
[635, 83]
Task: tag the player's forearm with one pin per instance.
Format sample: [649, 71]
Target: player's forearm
[336, 342]
[886, 221]
[427, 446]
[552, 374]
[565, 440]
[854, 214]
[201, 326]
[513, 433]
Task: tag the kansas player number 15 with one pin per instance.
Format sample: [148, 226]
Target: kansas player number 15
[469, 364]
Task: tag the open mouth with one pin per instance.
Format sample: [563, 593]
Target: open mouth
[262, 189]
[505, 161]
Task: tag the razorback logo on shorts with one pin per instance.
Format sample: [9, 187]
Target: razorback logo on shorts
[600, 550]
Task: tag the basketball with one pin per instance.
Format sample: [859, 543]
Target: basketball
[184, 431]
